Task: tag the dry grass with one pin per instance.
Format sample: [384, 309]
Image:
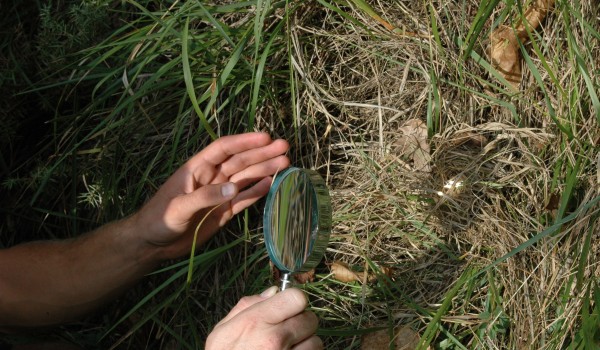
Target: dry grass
[358, 85]
[506, 260]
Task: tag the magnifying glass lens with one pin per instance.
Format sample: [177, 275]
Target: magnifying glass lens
[297, 220]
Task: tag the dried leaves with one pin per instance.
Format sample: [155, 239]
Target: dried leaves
[535, 14]
[466, 136]
[343, 273]
[505, 52]
[414, 144]
[340, 271]
[304, 277]
[404, 339]
[506, 55]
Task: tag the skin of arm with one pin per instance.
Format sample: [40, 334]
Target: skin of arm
[53, 282]
[47, 283]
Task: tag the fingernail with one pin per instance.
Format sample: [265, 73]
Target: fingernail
[269, 292]
[228, 189]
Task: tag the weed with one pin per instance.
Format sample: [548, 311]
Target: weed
[507, 260]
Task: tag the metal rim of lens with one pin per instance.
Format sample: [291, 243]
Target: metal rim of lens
[323, 201]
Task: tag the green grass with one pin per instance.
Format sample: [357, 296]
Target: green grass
[118, 95]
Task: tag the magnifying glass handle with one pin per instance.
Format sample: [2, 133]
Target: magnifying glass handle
[285, 282]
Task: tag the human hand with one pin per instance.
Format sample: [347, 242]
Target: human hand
[221, 175]
[270, 321]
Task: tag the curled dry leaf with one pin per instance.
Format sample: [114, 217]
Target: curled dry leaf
[462, 137]
[343, 273]
[275, 273]
[301, 278]
[404, 339]
[505, 52]
[414, 144]
[506, 56]
[305, 277]
[534, 15]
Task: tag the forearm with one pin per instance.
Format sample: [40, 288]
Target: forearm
[44, 283]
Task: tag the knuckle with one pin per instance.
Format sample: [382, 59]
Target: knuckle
[299, 297]
[244, 302]
[318, 343]
[278, 339]
[312, 319]
[212, 338]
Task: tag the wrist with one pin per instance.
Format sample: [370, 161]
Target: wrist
[145, 253]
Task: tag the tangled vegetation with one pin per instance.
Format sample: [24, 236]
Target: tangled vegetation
[465, 194]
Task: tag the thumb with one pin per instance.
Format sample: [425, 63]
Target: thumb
[204, 197]
[248, 301]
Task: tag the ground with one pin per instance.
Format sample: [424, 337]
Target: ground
[464, 181]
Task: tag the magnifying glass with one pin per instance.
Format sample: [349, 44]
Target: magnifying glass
[297, 221]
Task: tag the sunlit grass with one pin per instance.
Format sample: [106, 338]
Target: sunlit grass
[509, 261]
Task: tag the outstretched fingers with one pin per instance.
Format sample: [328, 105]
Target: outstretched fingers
[222, 149]
[188, 205]
[259, 171]
[227, 146]
[249, 196]
[241, 161]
